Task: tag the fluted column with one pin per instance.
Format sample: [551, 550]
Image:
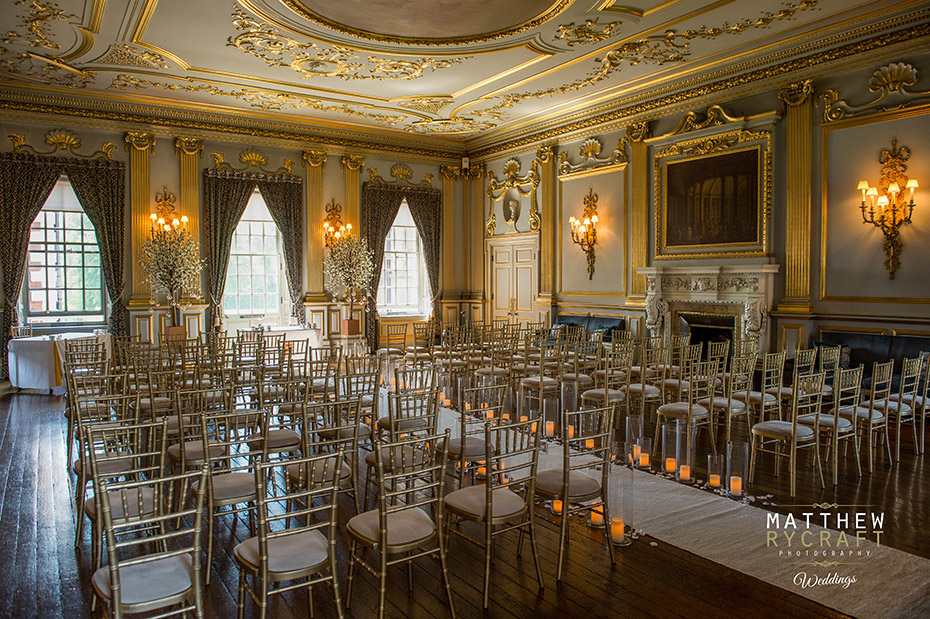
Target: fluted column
[450, 246]
[641, 196]
[548, 240]
[189, 151]
[314, 161]
[352, 170]
[140, 146]
[799, 109]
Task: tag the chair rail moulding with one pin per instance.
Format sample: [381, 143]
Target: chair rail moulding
[748, 289]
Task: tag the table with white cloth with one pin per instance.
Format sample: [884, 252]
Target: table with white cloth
[295, 333]
[38, 362]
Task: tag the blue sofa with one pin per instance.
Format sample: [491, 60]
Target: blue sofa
[867, 348]
[592, 323]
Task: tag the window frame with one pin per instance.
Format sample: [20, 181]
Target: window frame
[421, 306]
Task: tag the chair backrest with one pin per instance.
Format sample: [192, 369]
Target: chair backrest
[423, 334]
[828, 358]
[847, 388]
[922, 389]
[189, 406]
[805, 362]
[175, 519]
[249, 335]
[718, 351]
[359, 385]
[653, 358]
[21, 331]
[419, 378]
[363, 364]
[486, 402]
[300, 507]
[747, 346]
[410, 475]
[586, 444]
[127, 450]
[806, 398]
[700, 377]
[230, 435]
[910, 380]
[773, 369]
[395, 336]
[882, 375]
[739, 378]
[412, 412]
[511, 456]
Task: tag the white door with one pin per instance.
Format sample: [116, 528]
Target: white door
[513, 275]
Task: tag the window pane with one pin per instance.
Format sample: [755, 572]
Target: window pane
[90, 237]
[74, 259]
[270, 229]
[92, 260]
[258, 284]
[56, 300]
[256, 227]
[271, 265]
[245, 284]
[75, 300]
[271, 302]
[271, 284]
[258, 265]
[245, 304]
[37, 301]
[73, 220]
[271, 245]
[244, 265]
[91, 278]
[76, 278]
[93, 301]
[56, 278]
[230, 285]
[230, 303]
[255, 244]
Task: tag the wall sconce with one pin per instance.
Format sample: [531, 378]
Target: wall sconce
[164, 221]
[333, 228]
[889, 211]
[584, 231]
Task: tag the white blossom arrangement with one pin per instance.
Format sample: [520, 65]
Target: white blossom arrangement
[171, 259]
[348, 268]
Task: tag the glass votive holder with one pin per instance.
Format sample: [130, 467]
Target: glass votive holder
[645, 453]
[737, 468]
[596, 517]
[620, 535]
[556, 507]
[670, 448]
[715, 470]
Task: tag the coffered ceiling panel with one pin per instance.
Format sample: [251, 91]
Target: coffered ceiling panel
[456, 69]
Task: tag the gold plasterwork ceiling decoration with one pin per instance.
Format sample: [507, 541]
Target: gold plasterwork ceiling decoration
[452, 75]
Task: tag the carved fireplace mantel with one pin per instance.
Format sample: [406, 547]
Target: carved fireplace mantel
[746, 291]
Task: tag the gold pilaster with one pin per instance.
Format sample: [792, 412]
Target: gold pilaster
[799, 104]
[352, 171]
[639, 225]
[450, 240]
[314, 161]
[548, 240]
[140, 145]
[477, 208]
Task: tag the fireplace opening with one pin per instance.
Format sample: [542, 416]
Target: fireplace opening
[707, 327]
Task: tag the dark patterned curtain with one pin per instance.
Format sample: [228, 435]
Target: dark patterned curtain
[426, 209]
[379, 208]
[284, 196]
[100, 188]
[25, 184]
[380, 203]
[225, 196]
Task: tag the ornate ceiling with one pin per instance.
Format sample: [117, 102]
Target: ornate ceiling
[465, 71]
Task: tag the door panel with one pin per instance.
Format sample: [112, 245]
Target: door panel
[513, 275]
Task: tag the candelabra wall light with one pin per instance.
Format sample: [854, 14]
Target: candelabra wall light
[584, 231]
[884, 206]
[333, 228]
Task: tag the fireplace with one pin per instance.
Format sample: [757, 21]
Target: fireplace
[710, 302]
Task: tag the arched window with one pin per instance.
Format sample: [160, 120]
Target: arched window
[404, 288]
[253, 281]
[63, 282]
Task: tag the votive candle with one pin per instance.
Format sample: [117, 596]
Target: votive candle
[714, 480]
[597, 516]
[589, 444]
[644, 459]
[556, 506]
[736, 485]
[684, 472]
[616, 530]
[550, 429]
[670, 465]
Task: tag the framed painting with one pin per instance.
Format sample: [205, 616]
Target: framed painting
[713, 196]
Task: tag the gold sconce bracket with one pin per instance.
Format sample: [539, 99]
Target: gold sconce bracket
[333, 228]
[584, 231]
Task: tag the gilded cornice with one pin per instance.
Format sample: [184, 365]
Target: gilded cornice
[525, 185]
[544, 154]
[140, 141]
[450, 172]
[313, 158]
[401, 173]
[189, 146]
[252, 158]
[731, 82]
[638, 131]
[353, 162]
[61, 141]
[589, 151]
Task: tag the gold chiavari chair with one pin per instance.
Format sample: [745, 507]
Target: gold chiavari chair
[805, 362]
[296, 537]
[735, 381]
[612, 381]
[766, 400]
[576, 374]
[785, 438]
[541, 384]
[142, 576]
[674, 386]
[840, 423]
[409, 519]
[365, 386]
[900, 409]
[872, 413]
[648, 374]
[395, 340]
[920, 403]
[481, 404]
[17, 331]
[504, 503]
[696, 386]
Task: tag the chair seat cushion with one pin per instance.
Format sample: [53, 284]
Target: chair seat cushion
[279, 439]
[612, 395]
[232, 486]
[410, 423]
[680, 409]
[721, 403]
[863, 412]
[492, 371]
[390, 351]
[161, 403]
[405, 456]
[577, 378]
[901, 408]
[454, 363]
[753, 396]
[404, 528]
[826, 421]
[345, 432]
[915, 401]
[106, 467]
[785, 392]
[146, 582]
[193, 451]
[471, 447]
[471, 502]
[614, 374]
[781, 429]
[580, 485]
[132, 498]
[640, 389]
[676, 383]
[533, 382]
[302, 551]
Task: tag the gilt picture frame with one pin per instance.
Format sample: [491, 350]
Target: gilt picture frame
[713, 196]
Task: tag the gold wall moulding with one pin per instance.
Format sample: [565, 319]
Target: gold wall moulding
[311, 59]
[34, 27]
[252, 158]
[796, 93]
[61, 141]
[660, 49]
[890, 82]
[256, 97]
[713, 117]
[589, 151]
[401, 173]
[140, 141]
[353, 162]
[189, 146]
[525, 186]
[589, 32]
[313, 158]
[456, 125]
[129, 56]
[429, 105]
[44, 69]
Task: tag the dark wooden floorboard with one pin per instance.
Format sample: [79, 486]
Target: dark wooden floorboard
[48, 578]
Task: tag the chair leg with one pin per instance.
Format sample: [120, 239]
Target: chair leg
[351, 573]
[792, 466]
[240, 602]
[605, 510]
[338, 598]
[488, 554]
[752, 459]
[535, 547]
[563, 538]
[819, 467]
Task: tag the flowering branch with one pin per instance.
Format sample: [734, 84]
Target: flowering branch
[171, 259]
[348, 268]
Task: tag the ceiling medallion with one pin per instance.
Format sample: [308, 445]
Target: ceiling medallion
[313, 60]
[131, 57]
[430, 105]
[428, 22]
[588, 32]
[658, 49]
[36, 24]
[449, 126]
[259, 98]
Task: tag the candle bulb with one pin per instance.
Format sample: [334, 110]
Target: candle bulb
[714, 480]
[589, 444]
[596, 517]
[571, 431]
[670, 465]
[644, 459]
[736, 485]
[557, 507]
[684, 472]
[616, 530]
[524, 418]
[863, 186]
[550, 429]
[447, 403]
